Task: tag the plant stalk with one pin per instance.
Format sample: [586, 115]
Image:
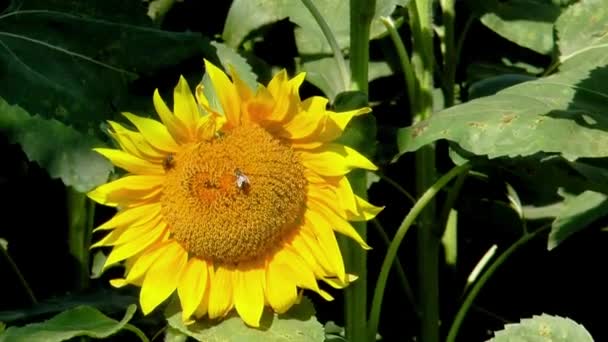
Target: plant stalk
[80, 226]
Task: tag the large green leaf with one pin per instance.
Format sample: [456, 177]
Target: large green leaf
[63, 151]
[577, 213]
[75, 63]
[581, 33]
[247, 15]
[528, 23]
[543, 328]
[298, 325]
[80, 321]
[562, 113]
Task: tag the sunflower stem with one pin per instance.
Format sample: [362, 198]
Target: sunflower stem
[429, 239]
[481, 281]
[391, 254]
[406, 65]
[333, 43]
[80, 224]
[449, 51]
[361, 15]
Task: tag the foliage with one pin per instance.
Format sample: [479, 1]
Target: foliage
[512, 92]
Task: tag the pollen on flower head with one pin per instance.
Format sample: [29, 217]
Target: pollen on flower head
[235, 197]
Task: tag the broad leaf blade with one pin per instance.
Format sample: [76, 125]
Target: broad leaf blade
[299, 325]
[577, 213]
[87, 78]
[528, 23]
[80, 321]
[563, 113]
[581, 29]
[245, 16]
[63, 151]
[543, 328]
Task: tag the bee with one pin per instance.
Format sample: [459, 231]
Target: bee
[169, 162]
[242, 181]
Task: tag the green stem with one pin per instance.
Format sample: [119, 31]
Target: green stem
[449, 53]
[429, 237]
[468, 301]
[333, 43]
[361, 15]
[405, 284]
[80, 212]
[20, 276]
[406, 66]
[391, 253]
[136, 331]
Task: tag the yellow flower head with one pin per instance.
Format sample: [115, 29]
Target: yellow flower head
[234, 207]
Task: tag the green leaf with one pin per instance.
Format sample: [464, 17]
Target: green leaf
[245, 16]
[174, 335]
[581, 32]
[230, 58]
[63, 151]
[107, 301]
[298, 325]
[492, 85]
[543, 328]
[528, 23]
[55, 68]
[80, 321]
[577, 213]
[324, 74]
[562, 113]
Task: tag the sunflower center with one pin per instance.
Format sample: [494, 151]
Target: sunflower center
[235, 197]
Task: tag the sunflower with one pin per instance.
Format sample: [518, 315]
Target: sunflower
[234, 206]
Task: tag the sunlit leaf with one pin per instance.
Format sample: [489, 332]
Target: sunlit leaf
[80, 321]
[562, 113]
[543, 328]
[247, 15]
[528, 23]
[299, 325]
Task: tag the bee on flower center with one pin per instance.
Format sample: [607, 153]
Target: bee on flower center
[169, 162]
[242, 181]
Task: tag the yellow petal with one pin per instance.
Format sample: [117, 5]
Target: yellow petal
[126, 188]
[155, 133]
[192, 286]
[162, 277]
[327, 240]
[346, 196]
[221, 292]
[335, 160]
[249, 295]
[135, 215]
[226, 93]
[241, 87]
[365, 210]
[131, 163]
[128, 233]
[134, 143]
[301, 247]
[133, 247]
[298, 270]
[335, 124]
[176, 128]
[281, 291]
[334, 221]
[185, 106]
[203, 307]
[143, 262]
